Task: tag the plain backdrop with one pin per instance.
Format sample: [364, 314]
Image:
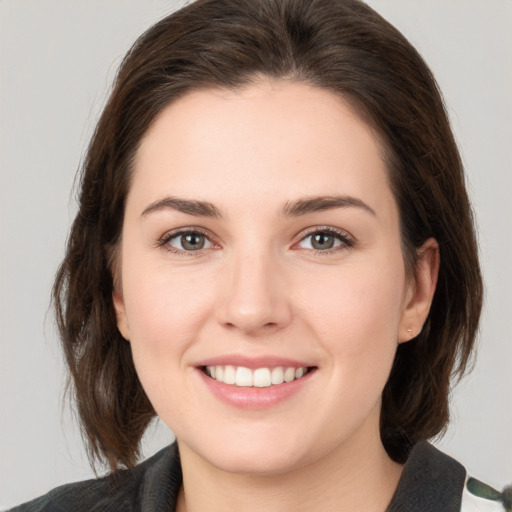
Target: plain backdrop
[57, 59]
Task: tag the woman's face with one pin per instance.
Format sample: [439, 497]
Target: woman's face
[261, 240]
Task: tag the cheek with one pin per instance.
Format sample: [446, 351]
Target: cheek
[164, 321]
[356, 310]
[165, 310]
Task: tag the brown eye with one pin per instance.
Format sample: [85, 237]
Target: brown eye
[325, 240]
[321, 241]
[191, 241]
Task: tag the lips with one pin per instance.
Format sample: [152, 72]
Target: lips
[254, 383]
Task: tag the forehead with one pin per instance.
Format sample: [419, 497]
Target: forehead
[269, 139]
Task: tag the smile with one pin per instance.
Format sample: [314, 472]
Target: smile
[259, 377]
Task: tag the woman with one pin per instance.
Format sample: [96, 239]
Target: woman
[275, 253]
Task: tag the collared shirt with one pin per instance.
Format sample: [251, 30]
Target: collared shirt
[431, 482]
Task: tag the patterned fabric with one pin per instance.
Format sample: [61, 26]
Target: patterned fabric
[480, 497]
[431, 482]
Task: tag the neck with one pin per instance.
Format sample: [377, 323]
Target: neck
[355, 476]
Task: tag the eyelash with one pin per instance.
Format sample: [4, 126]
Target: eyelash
[164, 241]
[346, 240]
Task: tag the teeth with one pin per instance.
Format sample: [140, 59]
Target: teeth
[260, 378]
[277, 376]
[243, 377]
[289, 374]
[229, 375]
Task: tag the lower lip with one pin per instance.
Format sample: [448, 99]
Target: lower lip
[253, 397]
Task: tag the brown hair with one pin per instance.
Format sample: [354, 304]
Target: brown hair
[340, 45]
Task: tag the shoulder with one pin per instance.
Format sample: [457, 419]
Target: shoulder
[432, 480]
[147, 486]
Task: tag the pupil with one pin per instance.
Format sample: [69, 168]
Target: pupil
[192, 242]
[323, 241]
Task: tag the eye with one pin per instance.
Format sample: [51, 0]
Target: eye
[325, 240]
[186, 241]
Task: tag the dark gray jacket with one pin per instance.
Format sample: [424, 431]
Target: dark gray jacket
[431, 482]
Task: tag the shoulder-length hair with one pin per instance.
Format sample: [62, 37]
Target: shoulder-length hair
[339, 45]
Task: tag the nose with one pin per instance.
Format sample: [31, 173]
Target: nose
[254, 296]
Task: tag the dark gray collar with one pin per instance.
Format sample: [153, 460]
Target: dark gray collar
[162, 481]
[431, 482]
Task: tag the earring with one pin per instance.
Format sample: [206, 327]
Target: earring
[409, 331]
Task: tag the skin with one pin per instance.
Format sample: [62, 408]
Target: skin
[258, 288]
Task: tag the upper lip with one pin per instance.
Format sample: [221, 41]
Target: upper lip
[253, 362]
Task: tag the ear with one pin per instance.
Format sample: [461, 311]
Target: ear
[420, 291]
[119, 306]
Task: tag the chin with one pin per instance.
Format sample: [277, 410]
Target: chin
[256, 463]
[252, 456]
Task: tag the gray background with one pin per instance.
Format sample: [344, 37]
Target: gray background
[57, 59]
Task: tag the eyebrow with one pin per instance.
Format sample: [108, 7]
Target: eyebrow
[191, 207]
[296, 208]
[321, 203]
